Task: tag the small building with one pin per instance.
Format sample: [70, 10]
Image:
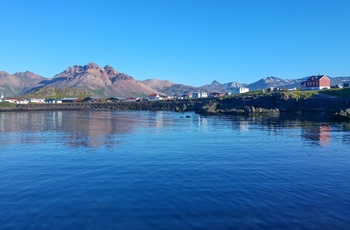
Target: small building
[22, 101]
[71, 100]
[53, 101]
[186, 96]
[93, 99]
[346, 84]
[168, 98]
[11, 100]
[199, 94]
[154, 97]
[37, 100]
[132, 99]
[215, 94]
[240, 90]
[337, 86]
[115, 99]
[316, 83]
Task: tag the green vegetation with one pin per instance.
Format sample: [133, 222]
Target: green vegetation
[345, 92]
[299, 94]
[49, 92]
[7, 104]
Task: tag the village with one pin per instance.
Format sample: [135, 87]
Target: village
[318, 82]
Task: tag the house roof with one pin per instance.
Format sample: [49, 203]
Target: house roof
[69, 99]
[316, 77]
[116, 98]
[153, 95]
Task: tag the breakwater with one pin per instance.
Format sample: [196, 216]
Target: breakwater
[183, 105]
[274, 103]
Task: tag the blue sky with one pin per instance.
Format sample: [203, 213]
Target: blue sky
[190, 42]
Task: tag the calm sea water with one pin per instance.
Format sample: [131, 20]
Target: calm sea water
[161, 170]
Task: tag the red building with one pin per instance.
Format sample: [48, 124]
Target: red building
[316, 83]
[215, 94]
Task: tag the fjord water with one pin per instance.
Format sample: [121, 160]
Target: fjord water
[163, 170]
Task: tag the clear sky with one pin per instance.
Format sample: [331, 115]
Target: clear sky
[185, 41]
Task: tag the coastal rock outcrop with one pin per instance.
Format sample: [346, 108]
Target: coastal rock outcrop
[343, 115]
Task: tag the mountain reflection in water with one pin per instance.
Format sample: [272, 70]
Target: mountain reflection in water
[94, 128]
[167, 170]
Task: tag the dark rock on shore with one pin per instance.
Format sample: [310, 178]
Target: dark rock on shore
[343, 115]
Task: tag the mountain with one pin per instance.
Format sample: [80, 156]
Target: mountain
[49, 92]
[339, 80]
[19, 83]
[93, 80]
[170, 88]
[157, 84]
[275, 82]
[215, 86]
[104, 82]
[282, 83]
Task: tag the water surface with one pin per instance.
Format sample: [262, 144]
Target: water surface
[161, 170]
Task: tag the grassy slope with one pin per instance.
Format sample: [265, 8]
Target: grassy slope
[345, 93]
[49, 92]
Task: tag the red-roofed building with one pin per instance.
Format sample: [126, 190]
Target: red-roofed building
[215, 94]
[132, 99]
[154, 97]
[316, 83]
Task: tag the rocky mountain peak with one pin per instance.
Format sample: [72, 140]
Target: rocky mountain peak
[110, 70]
[215, 82]
[92, 65]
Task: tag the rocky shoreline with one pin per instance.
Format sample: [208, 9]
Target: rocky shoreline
[337, 108]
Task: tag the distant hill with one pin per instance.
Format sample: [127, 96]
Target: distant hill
[170, 88]
[93, 80]
[104, 82]
[19, 83]
[215, 86]
[282, 83]
[157, 84]
[50, 92]
[339, 80]
[275, 82]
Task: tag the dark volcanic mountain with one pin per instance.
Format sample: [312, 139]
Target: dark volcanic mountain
[99, 81]
[19, 83]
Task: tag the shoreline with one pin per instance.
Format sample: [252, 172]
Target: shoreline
[335, 107]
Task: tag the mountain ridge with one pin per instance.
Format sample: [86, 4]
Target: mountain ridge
[94, 80]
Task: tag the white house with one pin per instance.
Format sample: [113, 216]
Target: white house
[22, 101]
[154, 97]
[53, 101]
[199, 94]
[37, 100]
[240, 90]
[11, 100]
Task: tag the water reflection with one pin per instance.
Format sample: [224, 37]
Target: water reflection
[313, 130]
[317, 134]
[80, 128]
[105, 128]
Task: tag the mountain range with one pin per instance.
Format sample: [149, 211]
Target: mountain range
[94, 80]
